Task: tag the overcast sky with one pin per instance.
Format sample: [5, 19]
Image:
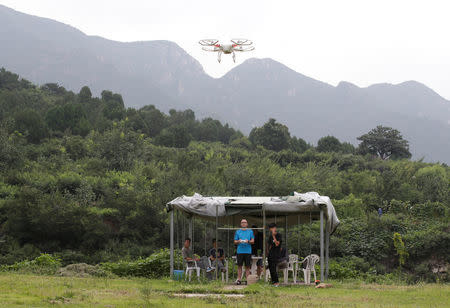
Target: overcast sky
[360, 41]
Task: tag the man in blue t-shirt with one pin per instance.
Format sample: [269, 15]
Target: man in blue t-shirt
[244, 238]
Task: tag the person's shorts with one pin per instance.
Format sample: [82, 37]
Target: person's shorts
[244, 258]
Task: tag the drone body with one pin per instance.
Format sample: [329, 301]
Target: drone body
[238, 45]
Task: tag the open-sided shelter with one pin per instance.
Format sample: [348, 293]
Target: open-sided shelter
[295, 209]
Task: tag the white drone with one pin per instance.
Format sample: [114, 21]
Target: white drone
[240, 45]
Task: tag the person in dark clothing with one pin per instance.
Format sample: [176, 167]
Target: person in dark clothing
[274, 252]
[220, 256]
[257, 248]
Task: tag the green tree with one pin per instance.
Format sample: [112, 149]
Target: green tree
[10, 152]
[347, 148]
[385, 142]
[329, 144]
[114, 107]
[69, 116]
[85, 94]
[272, 135]
[176, 136]
[400, 249]
[434, 183]
[149, 120]
[31, 124]
[298, 145]
[54, 88]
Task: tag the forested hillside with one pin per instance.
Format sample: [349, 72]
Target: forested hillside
[87, 179]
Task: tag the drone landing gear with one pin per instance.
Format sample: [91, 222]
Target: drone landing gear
[219, 56]
[234, 57]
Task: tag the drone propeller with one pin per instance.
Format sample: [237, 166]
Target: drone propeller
[208, 42]
[243, 49]
[242, 42]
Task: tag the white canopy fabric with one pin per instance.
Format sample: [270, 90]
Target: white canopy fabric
[293, 205]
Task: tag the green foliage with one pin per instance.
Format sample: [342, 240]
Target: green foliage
[434, 182]
[400, 249]
[329, 144]
[85, 94]
[342, 271]
[44, 264]
[175, 136]
[384, 142]
[93, 188]
[29, 123]
[68, 117]
[114, 107]
[350, 206]
[155, 266]
[272, 135]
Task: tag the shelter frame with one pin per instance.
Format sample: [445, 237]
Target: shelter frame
[324, 238]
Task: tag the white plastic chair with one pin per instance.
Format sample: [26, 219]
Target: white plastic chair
[225, 266]
[190, 267]
[284, 270]
[292, 267]
[311, 261]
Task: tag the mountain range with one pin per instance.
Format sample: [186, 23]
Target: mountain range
[163, 74]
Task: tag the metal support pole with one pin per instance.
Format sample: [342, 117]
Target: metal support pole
[183, 230]
[204, 239]
[191, 232]
[171, 243]
[298, 239]
[286, 231]
[228, 237]
[264, 242]
[190, 228]
[321, 246]
[327, 251]
[217, 241]
[177, 236]
[232, 263]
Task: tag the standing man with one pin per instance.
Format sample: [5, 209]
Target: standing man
[244, 238]
[274, 252]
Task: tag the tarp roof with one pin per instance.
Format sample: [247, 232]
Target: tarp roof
[296, 205]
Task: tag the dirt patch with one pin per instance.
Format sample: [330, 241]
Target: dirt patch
[81, 270]
[234, 287]
[200, 295]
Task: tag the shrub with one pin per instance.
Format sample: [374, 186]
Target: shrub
[155, 266]
[44, 264]
[82, 270]
[341, 271]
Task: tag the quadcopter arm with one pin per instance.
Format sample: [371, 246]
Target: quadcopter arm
[211, 49]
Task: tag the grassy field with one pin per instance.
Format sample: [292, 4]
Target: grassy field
[20, 290]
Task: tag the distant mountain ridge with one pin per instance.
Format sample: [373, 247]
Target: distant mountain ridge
[163, 74]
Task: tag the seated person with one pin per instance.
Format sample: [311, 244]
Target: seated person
[283, 260]
[219, 254]
[189, 259]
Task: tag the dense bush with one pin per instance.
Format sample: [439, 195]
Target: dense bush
[44, 264]
[155, 266]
